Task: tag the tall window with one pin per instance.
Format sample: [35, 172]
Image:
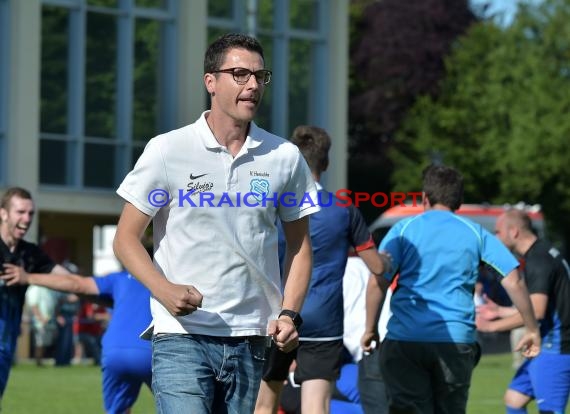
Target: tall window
[107, 87]
[4, 67]
[293, 36]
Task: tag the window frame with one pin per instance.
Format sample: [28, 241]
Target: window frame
[4, 85]
[282, 34]
[127, 13]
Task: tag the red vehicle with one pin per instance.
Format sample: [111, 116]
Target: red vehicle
[484, 214]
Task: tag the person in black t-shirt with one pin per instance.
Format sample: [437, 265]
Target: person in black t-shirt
[16, 214]
[545, 378]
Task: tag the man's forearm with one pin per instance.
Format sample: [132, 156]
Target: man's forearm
[507, 311]
[132, 254]
[373, 260]
[375, 294]
[506, 324]
[516, 288]
[130, 251]
[298, 278]
[65, 283]
[298, 263]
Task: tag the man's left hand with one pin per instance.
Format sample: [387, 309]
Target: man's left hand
[284, 334]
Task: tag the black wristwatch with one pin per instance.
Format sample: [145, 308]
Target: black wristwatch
[295, 317]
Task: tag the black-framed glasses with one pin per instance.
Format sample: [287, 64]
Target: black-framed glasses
[242, 75]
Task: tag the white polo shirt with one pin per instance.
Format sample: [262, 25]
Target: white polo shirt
[216, 230]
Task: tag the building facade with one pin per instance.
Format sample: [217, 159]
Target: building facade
[84, 84]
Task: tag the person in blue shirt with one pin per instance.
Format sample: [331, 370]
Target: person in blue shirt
[126, 358]
[430, 349]
[333, 230]
[545, 378]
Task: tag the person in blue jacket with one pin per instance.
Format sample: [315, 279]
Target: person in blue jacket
[126, 358]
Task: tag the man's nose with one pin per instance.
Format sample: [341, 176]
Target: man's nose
[252, 82]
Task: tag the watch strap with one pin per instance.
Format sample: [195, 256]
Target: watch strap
[295, 317]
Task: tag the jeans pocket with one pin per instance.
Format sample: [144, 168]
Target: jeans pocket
[258, 348]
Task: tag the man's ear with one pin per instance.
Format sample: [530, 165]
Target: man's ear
[425, 201]
[210, 82]
[3, 214]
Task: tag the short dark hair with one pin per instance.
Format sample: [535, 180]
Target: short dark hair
[14, 192]
[216, 53]
[443, 185]
[314, 143]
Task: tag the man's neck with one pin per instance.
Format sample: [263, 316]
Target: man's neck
[436, 206]
[232, 136]
[9, 241]
[524, 244]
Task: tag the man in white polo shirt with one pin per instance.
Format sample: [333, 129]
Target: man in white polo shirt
[214, 190]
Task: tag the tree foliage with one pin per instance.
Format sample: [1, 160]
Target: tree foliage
[501, 116]
[397, 53]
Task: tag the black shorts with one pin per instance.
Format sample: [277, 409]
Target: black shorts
[315, 360]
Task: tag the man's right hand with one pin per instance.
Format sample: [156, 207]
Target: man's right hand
[367, 341]
[179, 300]
[529, 345]
[489, 310]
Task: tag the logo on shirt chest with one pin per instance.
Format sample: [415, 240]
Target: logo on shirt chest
[199, 186]
[195, 177]
[259, 188]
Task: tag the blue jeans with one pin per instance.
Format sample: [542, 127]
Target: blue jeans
[206, 374]
[371, 384]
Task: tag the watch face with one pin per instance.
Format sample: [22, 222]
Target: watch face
[297, 322]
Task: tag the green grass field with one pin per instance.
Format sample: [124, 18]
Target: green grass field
[60, 390]
[490, 380]
[33, 390]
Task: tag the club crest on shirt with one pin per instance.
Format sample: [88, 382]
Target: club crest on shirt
[259, 188]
